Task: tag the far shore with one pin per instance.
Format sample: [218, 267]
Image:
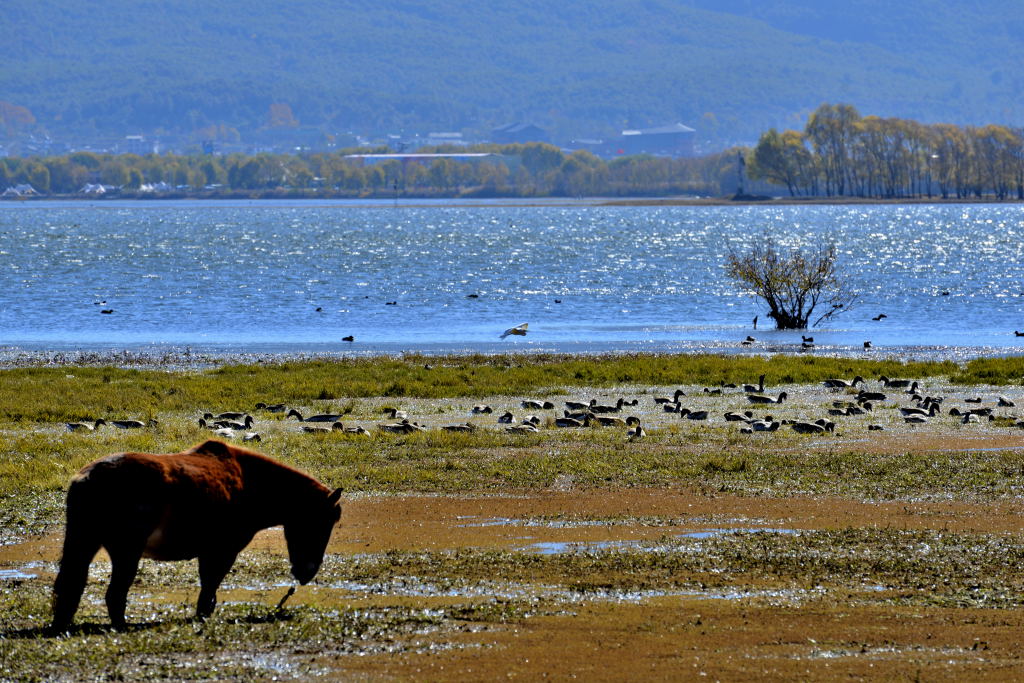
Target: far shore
[388, 201]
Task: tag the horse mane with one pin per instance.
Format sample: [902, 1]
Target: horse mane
[257, 463]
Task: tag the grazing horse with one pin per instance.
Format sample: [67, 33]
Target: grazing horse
[207, 502]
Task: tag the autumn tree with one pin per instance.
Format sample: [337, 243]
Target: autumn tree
[796, 285]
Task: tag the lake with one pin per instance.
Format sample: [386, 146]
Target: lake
[236, 277]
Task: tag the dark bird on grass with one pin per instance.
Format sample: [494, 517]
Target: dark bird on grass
[132, 424]
[508, 418]
[842, 383]
[757, 398]
[880, 316]
[673, 399]
[464, 427]
[518, 330]
[755, 389]
[576, 405]
[325, 417]
[896, 383]
[867, 345]
[85, 426]
[806, 345]
[735, 416]
[637, 432]
[597, 408]
[863, 396]
[1005, 402]
[482, 409]
[224, 416]
[693, 414]
[531, 404]
[273, 408]
[522, 429]
[809, 340]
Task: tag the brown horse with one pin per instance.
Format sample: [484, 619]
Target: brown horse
[207, 502]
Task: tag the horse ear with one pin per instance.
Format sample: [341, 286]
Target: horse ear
[334, 497]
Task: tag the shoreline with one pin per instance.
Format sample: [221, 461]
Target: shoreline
[176, 358]
[496, 202]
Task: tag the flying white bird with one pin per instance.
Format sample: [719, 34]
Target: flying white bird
[519, 330]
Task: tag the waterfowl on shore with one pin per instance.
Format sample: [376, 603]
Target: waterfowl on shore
[875, 428]
[507, 418]
[867, 345]
[1004, 402]
[464, 427]
[325, 417]
[525, 428]
[874, 396]
[396, 414]
[693, 414]
[224, 416]
[234, 424]
[671, 407]
[755, 389]
[896, 383]
[807, 428]
[531, 404]
[927, 410]
[482, 409]
[606, 421]
[916, 419]
[597, 408]
[403, 427]
[673, 399]
[757, 398]
[880, 316]
[132, 424]
[713, 392]
[835, 383]
[85, 426]
[636, 433]
[572, 422]
[272, 408]
[576, 405]
[735, 416]
[765, 425]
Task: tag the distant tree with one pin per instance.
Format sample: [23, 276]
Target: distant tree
[795, 285]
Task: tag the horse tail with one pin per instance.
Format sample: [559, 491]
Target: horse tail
[81, 543]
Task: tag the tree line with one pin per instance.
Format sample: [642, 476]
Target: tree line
[840, 153]
[532, 169]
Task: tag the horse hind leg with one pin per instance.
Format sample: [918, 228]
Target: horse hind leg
[80, 547]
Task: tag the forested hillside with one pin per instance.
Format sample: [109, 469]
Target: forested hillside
[730, 68]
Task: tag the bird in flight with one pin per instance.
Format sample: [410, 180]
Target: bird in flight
[519, 330]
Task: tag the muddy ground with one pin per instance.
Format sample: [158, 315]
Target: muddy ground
[753, 627]
[592, 582]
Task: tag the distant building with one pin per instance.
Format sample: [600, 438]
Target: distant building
[675, 140]
[519, 133]
[435, 139]
[404, 159]
[137, 144]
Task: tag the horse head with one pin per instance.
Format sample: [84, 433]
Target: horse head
[307, 535]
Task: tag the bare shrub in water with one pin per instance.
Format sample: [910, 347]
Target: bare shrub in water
[795, 285]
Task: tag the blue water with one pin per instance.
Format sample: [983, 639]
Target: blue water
[250, 276]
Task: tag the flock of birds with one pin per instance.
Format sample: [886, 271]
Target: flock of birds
[902, 396]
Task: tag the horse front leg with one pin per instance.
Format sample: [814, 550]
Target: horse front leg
[124, 567]
[212, 570]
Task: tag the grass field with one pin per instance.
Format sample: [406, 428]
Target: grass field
[877, 554]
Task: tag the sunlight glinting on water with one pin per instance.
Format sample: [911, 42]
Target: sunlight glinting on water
[212, 274]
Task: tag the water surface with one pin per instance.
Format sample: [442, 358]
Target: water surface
[252, 276]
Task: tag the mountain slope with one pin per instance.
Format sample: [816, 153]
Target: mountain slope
[579, 68]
